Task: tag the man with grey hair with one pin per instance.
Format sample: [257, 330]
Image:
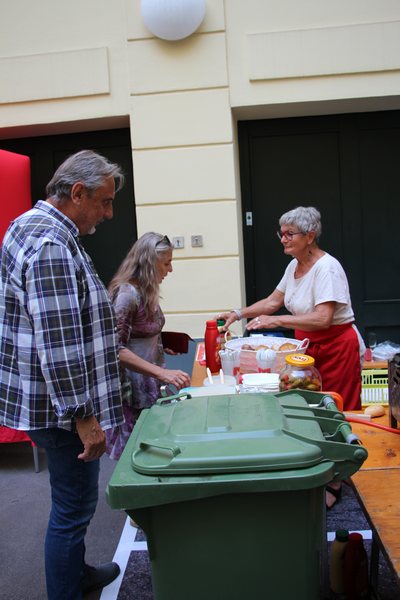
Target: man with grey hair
[59, 366]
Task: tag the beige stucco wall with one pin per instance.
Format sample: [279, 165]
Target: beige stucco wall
[184, 163]
[61, 62]
[89, 63]
[312, 57]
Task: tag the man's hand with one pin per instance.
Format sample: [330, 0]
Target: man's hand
[92, 437]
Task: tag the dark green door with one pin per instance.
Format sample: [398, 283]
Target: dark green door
[347, 167]
[112, 239]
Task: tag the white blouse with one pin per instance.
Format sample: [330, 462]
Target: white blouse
[326, 281]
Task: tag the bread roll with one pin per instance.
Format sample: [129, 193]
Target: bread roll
[287, 346]
[375, 410]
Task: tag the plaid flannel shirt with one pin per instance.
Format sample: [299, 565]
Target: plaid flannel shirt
[58, 345]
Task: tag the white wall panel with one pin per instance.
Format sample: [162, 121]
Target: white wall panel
[193, 63]
[324, 51]
[184, 174]
[54, 75]
[181, 118]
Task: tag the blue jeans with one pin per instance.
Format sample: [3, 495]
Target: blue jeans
[74, 494]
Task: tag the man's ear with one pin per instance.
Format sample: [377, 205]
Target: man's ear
[77, 192]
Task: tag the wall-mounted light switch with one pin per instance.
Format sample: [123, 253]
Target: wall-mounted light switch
[197, 241]
[178, 241]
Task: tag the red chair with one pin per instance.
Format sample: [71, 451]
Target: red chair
[11, 436]
[15, 198]
[15, 187]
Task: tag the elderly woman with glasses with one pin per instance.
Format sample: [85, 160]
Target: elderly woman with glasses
[134, 292]
[314, 289]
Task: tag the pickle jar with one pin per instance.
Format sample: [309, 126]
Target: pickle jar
[300, 373]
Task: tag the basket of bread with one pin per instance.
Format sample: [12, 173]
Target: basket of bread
[265, 354]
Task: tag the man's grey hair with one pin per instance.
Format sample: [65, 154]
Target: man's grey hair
[87, 167]
[305, 218]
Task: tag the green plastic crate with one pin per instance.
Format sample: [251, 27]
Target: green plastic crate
[374, 386]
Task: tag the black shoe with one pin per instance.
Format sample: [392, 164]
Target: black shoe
[96, 578]
[336, 493]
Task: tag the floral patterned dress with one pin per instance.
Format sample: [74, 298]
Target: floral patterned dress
[142, 335]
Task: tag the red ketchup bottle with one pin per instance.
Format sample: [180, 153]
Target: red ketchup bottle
[212, 346]
[355, 568]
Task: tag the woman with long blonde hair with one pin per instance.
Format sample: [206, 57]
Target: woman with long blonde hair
[135, 292]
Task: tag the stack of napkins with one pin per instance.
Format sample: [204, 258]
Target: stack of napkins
[259, 382]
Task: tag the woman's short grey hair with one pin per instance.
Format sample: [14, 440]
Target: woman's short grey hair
[305, 218]
[86, 166]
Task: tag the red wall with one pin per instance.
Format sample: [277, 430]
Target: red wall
[15, 187]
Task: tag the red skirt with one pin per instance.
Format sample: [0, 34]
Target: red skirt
[336, 352]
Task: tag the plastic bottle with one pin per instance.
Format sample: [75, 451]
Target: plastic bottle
[355, 569]
[211, 345]
[337, 561]
[223, 335]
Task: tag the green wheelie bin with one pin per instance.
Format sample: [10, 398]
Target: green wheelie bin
[229, 491]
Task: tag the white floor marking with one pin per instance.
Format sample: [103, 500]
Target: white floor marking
[125, 546]
[366, 533]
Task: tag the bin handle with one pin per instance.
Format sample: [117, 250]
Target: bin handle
[147, 444]
[348, 435]
[174, 398]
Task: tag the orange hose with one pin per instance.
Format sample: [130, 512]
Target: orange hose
[377, 425]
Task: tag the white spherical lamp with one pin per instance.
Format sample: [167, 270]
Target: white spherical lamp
[173, 19]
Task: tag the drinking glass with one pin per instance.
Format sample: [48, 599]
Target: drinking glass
[372, 340]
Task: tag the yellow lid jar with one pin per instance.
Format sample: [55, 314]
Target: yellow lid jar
[300, 373]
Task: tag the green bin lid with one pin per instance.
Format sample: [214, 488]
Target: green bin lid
[226, 434]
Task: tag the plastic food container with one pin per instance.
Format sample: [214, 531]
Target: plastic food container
[254, 345]
[300, 373]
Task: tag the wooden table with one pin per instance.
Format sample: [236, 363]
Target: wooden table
[376, 484]
[198, 374]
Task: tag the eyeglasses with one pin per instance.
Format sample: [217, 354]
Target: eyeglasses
[164, 240]
[288, 234]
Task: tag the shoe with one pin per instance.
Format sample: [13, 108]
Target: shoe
[336, 493]
[96, 578]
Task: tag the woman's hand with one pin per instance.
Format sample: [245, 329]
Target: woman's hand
[170, 352]
[229, 318]
[132, 361]
[178, 378]
[320, 318]
[263, 322]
